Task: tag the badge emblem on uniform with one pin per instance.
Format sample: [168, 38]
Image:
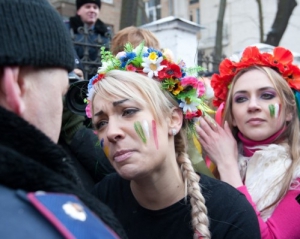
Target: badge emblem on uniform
[75, 211]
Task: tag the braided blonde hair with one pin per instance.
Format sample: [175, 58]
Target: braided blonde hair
[200, 220]
[124, 84]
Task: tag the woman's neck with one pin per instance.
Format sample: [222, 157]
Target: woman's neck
[250, 146]
[160, 190]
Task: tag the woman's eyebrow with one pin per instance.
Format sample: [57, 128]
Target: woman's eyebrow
[115, 103]
[260, 89]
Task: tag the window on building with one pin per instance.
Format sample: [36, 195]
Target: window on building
[191, 16]
[171, 7]
[198, 16]
[153, 10]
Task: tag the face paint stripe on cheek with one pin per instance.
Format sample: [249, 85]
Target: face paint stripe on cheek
[139, 130]
[154, 133]
[277, 110]
[105, 148]
[272, 110]
[146, 128]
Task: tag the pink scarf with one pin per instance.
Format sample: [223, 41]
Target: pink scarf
[248, 144]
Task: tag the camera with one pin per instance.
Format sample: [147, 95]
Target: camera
[75, 97]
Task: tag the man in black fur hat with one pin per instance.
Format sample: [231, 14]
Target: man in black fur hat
[88, 16]
[40, 195]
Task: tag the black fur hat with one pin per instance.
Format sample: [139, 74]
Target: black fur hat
[32, 33]
[79, 3]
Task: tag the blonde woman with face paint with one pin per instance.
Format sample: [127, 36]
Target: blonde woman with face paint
[141, 115]
[260, 128]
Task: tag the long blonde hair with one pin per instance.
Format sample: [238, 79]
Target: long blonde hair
[124, 84]
[291, 134]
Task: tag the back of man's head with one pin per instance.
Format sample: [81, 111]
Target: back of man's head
[33, 34]
[36, 52]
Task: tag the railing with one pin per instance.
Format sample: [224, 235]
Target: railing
[89, 40]
[209, 62]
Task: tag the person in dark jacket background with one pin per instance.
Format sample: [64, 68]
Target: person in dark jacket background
[40, 195]
[97, 33]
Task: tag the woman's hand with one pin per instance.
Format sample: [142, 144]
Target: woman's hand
[221, 148]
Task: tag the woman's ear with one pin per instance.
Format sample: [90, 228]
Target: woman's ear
[11, 87]
[289, 116]
[176, 120]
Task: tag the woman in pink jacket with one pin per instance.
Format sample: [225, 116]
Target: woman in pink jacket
[258, 99]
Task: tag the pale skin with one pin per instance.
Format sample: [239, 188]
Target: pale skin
[156, 179]
[35, 95]
[88, 13]
[252, 94]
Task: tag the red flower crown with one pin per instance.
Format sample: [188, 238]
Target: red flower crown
[281, 59]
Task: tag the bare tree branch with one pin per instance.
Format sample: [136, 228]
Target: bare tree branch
[219, 34]
[284, 12]
[261, 21]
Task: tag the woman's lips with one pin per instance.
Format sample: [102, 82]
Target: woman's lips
[122, 155]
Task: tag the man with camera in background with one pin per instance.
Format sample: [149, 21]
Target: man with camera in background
[40, 195]
[76, 136]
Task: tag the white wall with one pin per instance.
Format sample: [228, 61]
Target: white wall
[178, 35]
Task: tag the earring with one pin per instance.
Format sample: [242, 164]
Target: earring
[174, 132]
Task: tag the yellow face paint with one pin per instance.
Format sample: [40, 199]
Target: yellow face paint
[105, 148]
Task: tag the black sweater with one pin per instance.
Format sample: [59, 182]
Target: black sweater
[230, 214]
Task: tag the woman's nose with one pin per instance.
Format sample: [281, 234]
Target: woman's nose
[253, 104]
[114, 131]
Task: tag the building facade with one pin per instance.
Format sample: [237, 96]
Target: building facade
[241, 25]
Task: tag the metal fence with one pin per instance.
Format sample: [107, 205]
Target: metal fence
[209, 62]
[87, 40]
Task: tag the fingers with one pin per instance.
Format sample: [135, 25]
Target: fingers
[208, 125]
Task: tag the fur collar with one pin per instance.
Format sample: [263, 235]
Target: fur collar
[99, 28]
[31, 161]
[29, 154]
[263, 172]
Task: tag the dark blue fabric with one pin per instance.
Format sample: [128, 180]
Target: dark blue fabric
[91, 227]
[18, 219]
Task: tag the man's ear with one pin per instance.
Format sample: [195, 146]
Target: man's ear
[12, 86]
[176, 120]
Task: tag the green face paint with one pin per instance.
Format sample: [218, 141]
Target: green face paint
[139, 130]
[272, 110]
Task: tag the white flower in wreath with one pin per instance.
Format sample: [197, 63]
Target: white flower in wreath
[152, 65]
[188, 105]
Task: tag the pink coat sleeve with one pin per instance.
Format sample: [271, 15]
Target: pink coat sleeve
[284, 222]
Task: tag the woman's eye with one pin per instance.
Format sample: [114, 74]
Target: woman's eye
[128, 112]
[240, 99]
[98, 125]
[267, 96]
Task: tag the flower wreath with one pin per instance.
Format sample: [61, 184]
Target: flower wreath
[281, 60]
[176, 78]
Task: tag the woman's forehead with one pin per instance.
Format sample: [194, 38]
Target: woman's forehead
[253, 79]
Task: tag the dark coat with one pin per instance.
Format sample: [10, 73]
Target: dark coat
[87, 156]
[100, 31]
[32, 162]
